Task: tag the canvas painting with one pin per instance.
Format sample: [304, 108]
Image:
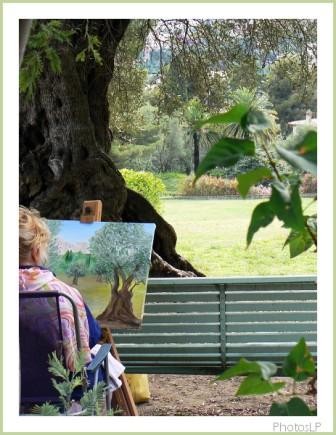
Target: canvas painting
[108, 262]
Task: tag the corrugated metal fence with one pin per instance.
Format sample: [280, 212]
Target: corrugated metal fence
[201, 325]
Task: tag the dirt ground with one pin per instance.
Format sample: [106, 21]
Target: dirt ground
[177, 395]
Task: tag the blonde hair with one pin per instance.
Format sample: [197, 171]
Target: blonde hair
[33, 234]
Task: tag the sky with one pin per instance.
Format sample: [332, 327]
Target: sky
[74, 231]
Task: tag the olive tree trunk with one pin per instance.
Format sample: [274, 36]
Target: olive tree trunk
[65, 139]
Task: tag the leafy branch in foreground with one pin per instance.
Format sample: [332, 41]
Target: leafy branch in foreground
[298, 365]
[285, 200]
[39, 49]
[65, 382]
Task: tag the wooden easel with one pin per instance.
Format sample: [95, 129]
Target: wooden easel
[122, 397]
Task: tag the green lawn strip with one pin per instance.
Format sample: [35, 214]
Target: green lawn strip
[211, 234]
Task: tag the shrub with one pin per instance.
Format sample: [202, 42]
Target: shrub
[209, 186]
[308, 184]
[147, 184]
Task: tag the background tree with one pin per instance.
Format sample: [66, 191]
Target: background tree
[291, 92]
[171, 152]
[194, 113]
[264, 138]
[123, 262]
[76, 269]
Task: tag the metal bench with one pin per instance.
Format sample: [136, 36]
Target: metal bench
[203, 325]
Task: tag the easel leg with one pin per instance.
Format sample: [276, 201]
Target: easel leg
[122, 397]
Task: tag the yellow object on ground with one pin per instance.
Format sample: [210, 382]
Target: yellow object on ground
[139, 386]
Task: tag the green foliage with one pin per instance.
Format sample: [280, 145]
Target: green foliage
[172, 152]
[92, 401]
[299, 242]
[46, 410]
[291, 90]
[173, 181]
[254, 385]
[209, 186]
[69, 380]
[244, 367]
[194, 113]
[42, 46]
[226, 152]
[303, 153]
[299, 365]
[236, 115]
[262, 216]
[285, 200]
[257, 380]
[295, 407]
[92, 49]
[145, 183]
[249, 179]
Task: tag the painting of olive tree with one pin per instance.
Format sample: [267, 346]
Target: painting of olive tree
[108, 262]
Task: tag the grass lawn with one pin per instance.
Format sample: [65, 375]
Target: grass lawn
[211, 234]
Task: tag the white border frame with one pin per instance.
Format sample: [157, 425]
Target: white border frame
[11, 13]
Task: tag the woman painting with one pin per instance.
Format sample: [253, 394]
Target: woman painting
[34, 237]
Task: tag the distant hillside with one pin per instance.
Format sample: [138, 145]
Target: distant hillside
[64, 246]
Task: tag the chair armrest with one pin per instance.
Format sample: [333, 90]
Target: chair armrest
[99, 358]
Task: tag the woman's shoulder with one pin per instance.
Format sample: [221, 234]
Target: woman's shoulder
[61, 286]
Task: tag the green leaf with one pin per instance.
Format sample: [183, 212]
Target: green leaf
[46, 409]
[237, 115]
[303, 154]
[295, 407]
[249, 179]
[286, 204]
[297, 161]
[97, 57]
[299, 363]
[81, 56]
[54, 60]
[56, 367]
[262, 216]
[298, 241]
[255, 385]
[256, 120]
[226, 152]
[245, 367]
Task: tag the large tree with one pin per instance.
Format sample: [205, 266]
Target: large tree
[64, 126]
[65, 135]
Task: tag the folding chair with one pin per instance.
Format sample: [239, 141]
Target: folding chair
[40, 328]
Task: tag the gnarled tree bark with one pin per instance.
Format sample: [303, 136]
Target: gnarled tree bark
[65, 137]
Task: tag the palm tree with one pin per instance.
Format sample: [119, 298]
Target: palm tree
[193, 114]
[259, 104]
